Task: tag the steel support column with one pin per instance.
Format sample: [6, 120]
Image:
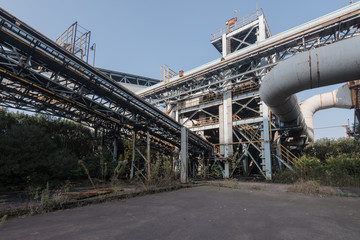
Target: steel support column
[228, 128]
[224, 45]
[148, 156]
[115, 149]
[184, 155]
[266, 154]
[133, 155]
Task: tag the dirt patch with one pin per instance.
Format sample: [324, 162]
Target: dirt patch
[313, 187]
[305, 187]
[83, 197]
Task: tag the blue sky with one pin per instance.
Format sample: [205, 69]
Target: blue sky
[139, 36]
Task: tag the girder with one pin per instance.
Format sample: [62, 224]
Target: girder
[129, 78]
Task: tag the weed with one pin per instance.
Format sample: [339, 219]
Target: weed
[312, 187]
[87, 173]
[3, 220]
[255, 187]
[45, 196]
[307, 187]
[230, 183]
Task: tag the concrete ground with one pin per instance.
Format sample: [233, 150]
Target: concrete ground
[206, 212]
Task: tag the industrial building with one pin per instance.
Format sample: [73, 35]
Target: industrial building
[238, 112]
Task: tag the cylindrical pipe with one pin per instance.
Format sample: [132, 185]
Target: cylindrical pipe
[335, 63]
[339, 98]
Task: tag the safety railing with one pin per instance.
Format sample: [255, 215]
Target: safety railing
[245, 88]
[238, 90]
[238, 24]
[250, 133]
[287, 156]
[166, 73]
[205, 121]
[76, 40]
[189, 103]
[201, 100]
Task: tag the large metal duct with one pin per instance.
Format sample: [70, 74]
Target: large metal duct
[339, 98]
[336, 63]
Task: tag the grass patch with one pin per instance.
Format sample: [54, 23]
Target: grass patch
[312, 188]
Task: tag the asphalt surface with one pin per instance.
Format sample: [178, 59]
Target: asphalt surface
[207, 212]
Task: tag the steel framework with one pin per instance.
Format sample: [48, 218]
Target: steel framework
[121, 77]
[36, 74]
[198, 98]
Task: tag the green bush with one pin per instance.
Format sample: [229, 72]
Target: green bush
[215, 171]
[329, 162]
[343, 170]
[285, 175]
[313, 168]
[326, 148]
[38, 149]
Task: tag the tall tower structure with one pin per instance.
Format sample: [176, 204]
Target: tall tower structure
[232, 116]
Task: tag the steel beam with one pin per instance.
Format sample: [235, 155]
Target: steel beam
[184, 156]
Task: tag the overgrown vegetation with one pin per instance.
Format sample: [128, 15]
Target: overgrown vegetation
[36, 150]
[328, 162]
[39, 152]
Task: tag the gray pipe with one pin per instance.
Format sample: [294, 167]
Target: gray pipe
[339, 98]
[336, 63]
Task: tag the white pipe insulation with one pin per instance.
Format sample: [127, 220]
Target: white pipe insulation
[335, 63]
[339, 98]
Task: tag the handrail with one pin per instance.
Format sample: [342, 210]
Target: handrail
[245, 88]
[287, 155]
[200, 100]
[238, 24]
[205, 121]
[212, 97]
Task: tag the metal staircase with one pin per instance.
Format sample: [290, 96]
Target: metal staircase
[287, 158]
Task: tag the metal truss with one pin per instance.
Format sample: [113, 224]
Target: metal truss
[38, 74]
[252, 63]
[129, 78]
[198, 93]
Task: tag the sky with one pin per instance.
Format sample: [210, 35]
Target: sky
[138, 36]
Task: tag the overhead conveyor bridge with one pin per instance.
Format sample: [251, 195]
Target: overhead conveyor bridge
[39, 75]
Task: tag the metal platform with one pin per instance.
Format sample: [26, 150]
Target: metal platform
[241, 34]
